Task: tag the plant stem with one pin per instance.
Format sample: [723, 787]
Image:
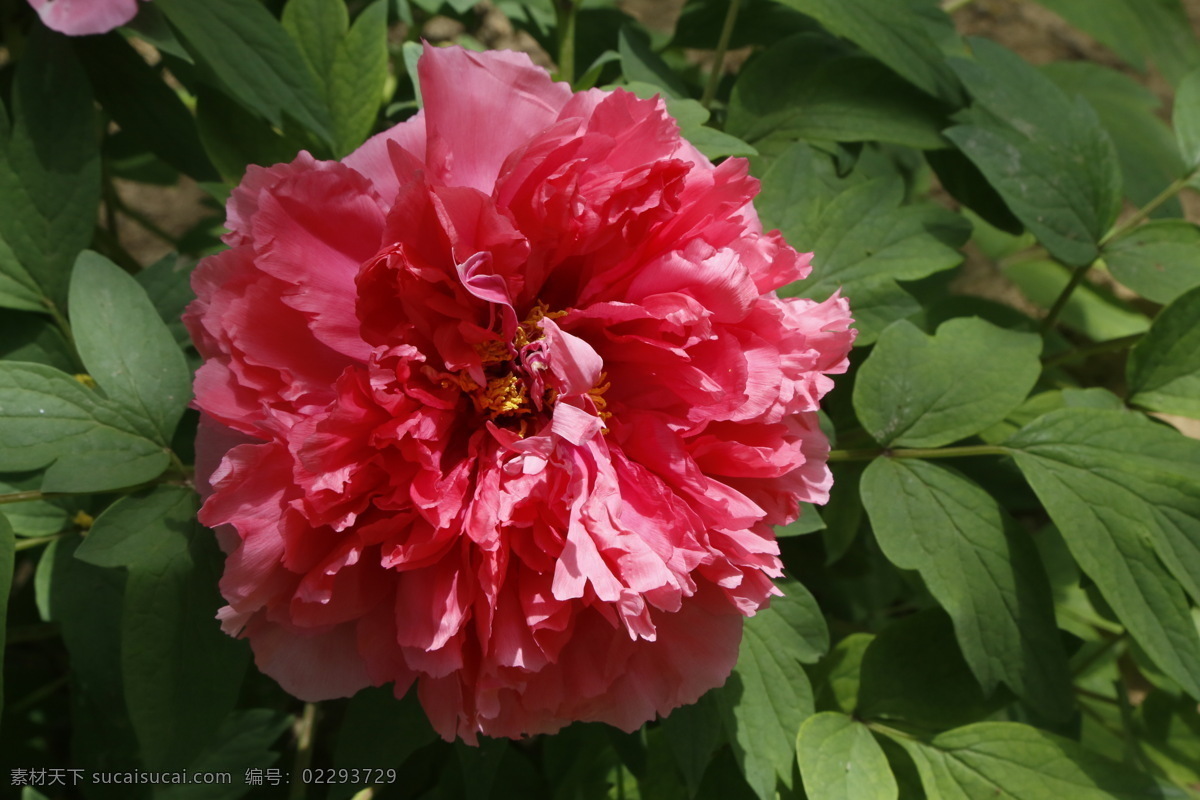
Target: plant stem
[1175, 187]
[918, 452]
[565, 11]
[1064, 296]
[22, 497]
[305, 734]
[1108, 346]
[31, 633]
[37, 541]
[1139, 216]
[714, 77]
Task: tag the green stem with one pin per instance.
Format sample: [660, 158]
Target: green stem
[1175, 187]
[718, 67]
[305, 735]
[59, 320]
[37, 695]
[1097, 654]
[1138, 217]
[38, 541]
[23, 497]
[918, 452]
[1064, 296]
[1108, 346]
[565, 10]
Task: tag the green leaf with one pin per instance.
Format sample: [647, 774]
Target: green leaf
[318, 28]
[379, 730]
[243, 742]
[1007, 759]
[357, 78]
[640, 63]
[1171, 735]
[249, 52]
[49, 169]
[693, 734]
[807, 87]
[1186, 119]
[836, 677]
[181, 673]
[1047, 156]
[926, 391]
[864, 239]
[18, 289]
[904, 35]
[1125, 493]
[840, 760]
[86, 603]
[1095, 315]
[25, 336]
[1159, 260]
[167, 283]
[914, 671]
[126, 346]
[1145, 145]
[143, 105]
[1135, 29]
[1163, 371]
[234, 137]
[981, 568]
[51, 420]
[769, 696]
[8, 543]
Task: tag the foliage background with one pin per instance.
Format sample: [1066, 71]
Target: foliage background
[1018, 621]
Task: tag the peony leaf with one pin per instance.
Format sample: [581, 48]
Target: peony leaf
[864, 240]
[126, 346]
[49, 173]
[981, 568]
[250, 53]
[1187, 119]
[769, 696]
[33, 517]
[357, 78]
[18, 289]
[904, 35]
[1135, 29]
[640, 63]
[1163, 371]
[318, 28]
[1047, 156]
[830, 94]
[1125, 494]
[1146, 147]
[145, 107]
[693, 734]
[8, 553]
[25, 336]
[1159, 260]
[243, 742]
[51, 420]
[378, 729]
[86, 602]
[1007, 759]
[914, 671]
[926, 391]
[166, 283]
[181, 673]
[840, 760]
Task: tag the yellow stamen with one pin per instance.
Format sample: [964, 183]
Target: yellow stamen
[86, 380]
[505, 395]
[83, 519]
[597, 395]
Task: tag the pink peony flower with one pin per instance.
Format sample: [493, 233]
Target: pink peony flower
[505, 405]
[83, 17]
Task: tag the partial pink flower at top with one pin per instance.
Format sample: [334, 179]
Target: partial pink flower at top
[505, 405]
[84, 17]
